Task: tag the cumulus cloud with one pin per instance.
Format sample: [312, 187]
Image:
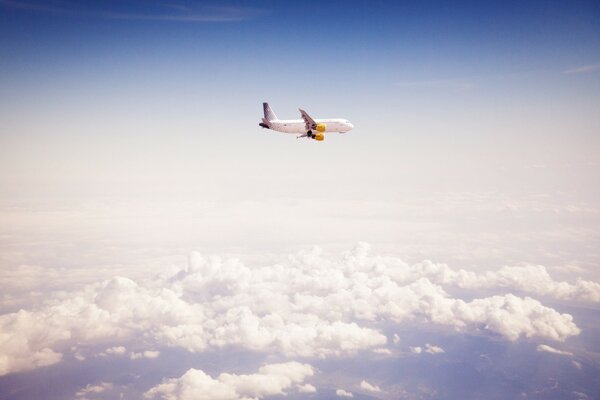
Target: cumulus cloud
[428, 348]
[309, 306]
[111, 310]
[431, 349]
[550, 349]
[343, 393]
[382, 350]
[271, 379]
[367, 386]
[17, 354]
[116, 350]
[101, 387]
[145, 354]
[532, 279]
[307, 388]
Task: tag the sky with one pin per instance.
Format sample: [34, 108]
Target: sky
[155, 242]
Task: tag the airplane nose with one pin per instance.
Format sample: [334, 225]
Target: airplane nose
[350, 125]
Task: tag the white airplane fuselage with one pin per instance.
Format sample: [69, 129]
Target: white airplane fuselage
[306, 127]
[298, 126]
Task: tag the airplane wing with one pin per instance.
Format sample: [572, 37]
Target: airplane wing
[309, 123]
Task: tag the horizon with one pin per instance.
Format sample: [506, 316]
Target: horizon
[156, 243]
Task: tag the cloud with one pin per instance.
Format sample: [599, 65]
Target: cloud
[549, 349]
[460, 84]
[116, 350]
[367, 386]
[112, 310]
[513, 317]
[151, 353]
[382, 350]
[580, 395]
[532, 279]
[102, 387]
[309, 306]
[271, 379]
[343, 393]
[130, 11]
[306, 388]
[583, 69]
[145, 354]
[429, 348]
[23, 356]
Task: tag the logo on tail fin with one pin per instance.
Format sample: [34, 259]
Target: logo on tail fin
[269, 114]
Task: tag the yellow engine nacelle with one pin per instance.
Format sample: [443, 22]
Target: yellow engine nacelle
[319, 136]
[321, 127]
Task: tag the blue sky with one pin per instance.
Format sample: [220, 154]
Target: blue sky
[452, 236]
[416, 71]
[519, 48]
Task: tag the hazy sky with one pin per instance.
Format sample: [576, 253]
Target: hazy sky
[136, 97]
[155, 241]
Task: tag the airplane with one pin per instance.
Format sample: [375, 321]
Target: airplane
[304, 126]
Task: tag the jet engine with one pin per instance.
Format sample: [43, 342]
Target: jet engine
[319, 136]
[320, 127]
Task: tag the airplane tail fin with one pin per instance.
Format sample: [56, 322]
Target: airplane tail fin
[269, 114]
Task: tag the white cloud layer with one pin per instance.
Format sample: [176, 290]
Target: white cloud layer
[309, 306]
[531, 279]
[271, 379]
[343, 393]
